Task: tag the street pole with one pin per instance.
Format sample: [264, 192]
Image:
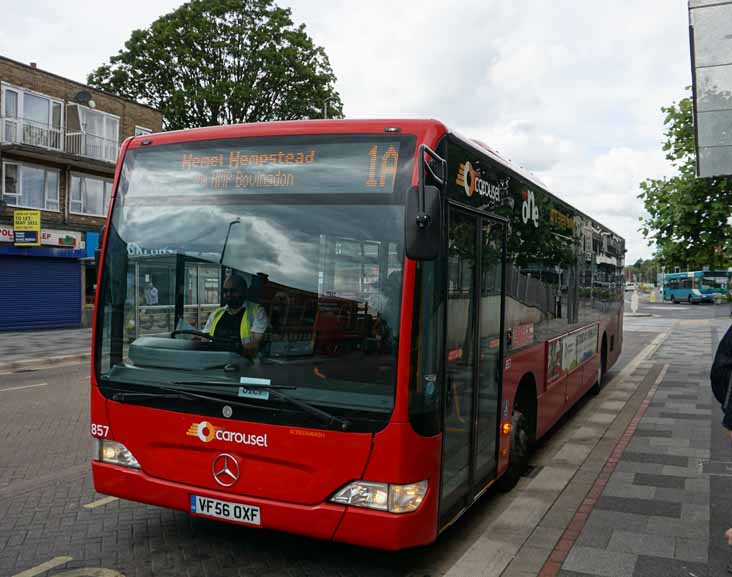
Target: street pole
[325, 107]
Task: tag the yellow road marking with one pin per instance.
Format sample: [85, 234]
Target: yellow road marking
[43, 567]
[89, 572]
[23, 387]
[100, 502]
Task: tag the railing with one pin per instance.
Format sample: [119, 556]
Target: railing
[27, 131]
[92, 146]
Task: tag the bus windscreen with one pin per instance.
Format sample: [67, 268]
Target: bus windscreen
[308, 233]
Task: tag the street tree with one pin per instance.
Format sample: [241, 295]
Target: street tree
[644, 271]
[688, 217]
[216, 62]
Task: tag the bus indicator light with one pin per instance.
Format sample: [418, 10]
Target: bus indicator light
[506, 428]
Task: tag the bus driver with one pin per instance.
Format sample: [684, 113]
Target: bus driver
[238, 318]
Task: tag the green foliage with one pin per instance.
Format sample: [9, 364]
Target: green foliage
[644, 271]
[688, 216]
[216, 62]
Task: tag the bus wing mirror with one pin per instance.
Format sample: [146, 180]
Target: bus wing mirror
[423, 224]
[424, 219]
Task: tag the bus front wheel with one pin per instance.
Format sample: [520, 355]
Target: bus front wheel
[518, 453]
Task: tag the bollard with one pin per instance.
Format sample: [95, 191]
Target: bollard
[634, 302]
[653, 296]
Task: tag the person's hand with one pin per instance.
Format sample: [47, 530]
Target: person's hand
[728, 435]
[728, 536]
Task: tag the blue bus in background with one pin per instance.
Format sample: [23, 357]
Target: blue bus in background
[695, 287]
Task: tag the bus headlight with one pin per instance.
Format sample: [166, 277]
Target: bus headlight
[406, 498]
[382, 496]
[116, 454]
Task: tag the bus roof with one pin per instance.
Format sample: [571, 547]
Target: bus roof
[424, 129]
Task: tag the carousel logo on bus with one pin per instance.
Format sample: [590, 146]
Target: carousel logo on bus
[529, 210]
[468, 178]
[207, 432]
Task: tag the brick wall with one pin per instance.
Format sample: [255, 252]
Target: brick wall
[130, 113]
[63, 218]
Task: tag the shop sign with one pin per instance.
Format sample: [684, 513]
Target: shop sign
[6, 233]
[59, 238]
[27, 227]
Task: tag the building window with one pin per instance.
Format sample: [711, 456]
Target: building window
[89, 195]
[31, 118]
[142, 131]
[29, 186]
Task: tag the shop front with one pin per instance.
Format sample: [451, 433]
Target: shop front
[41, 285]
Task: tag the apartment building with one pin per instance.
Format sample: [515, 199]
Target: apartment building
[59, 142]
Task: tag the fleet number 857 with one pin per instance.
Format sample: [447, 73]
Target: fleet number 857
[99, 430]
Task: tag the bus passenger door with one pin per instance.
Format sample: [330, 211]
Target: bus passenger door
[473, 364]
[461, 329]
[489, 352]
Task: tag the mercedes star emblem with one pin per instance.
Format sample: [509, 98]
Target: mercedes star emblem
[225, 470]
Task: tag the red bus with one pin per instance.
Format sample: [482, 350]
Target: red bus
[429, 311]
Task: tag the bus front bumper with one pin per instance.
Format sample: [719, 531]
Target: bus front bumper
[325, 520]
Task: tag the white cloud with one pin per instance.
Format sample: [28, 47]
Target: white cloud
[607, 189]
[523, 143]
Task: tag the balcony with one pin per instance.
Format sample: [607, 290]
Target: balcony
[25, 131]
[71, 141]
[92, 146]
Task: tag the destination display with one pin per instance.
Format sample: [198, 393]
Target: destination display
[237, 166]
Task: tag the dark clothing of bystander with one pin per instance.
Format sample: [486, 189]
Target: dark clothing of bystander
[720, 376]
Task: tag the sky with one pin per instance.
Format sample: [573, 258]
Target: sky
[571, 90]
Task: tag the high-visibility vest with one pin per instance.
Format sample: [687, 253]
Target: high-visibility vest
[244, 330]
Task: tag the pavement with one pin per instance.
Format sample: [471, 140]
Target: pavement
[649, 511]
[41, 349]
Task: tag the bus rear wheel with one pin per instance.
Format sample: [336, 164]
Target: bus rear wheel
[600, 382]
[518, 453]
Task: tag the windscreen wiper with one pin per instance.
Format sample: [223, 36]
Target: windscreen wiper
[174, 393]
[276, 390]
[124, 395]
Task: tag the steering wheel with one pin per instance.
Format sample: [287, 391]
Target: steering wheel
[193, 332]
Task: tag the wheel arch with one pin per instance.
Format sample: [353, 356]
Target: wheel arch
[525, 400]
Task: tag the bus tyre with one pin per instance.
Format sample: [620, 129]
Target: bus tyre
[518, 453]
[599, 380]
[673, 299]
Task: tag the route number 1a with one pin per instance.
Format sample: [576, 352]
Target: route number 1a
[381, 166]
